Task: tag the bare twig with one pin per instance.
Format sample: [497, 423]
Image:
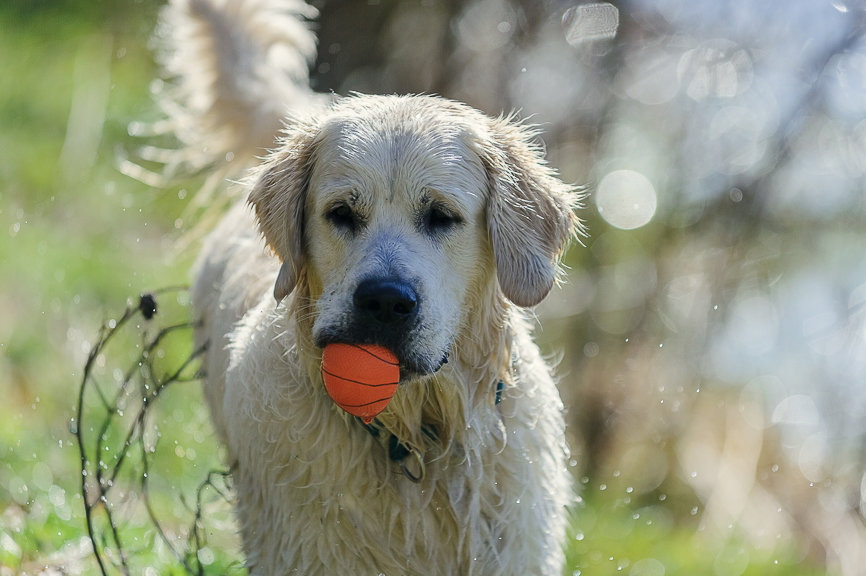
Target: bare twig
[98, 478]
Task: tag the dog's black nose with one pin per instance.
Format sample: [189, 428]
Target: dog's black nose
[386, 302]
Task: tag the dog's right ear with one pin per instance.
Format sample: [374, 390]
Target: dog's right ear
[278, 196]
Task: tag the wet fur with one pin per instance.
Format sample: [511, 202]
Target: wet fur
[316, 491]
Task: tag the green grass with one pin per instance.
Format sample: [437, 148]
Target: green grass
[610, 537]
[79, 239]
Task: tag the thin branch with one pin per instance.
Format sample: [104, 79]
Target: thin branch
[104, 477]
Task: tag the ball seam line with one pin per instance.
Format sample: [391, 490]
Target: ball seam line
[344, 405]
[374, 355]
[368, 384]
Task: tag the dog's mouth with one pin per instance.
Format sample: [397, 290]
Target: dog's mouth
[414, 371]
[362, 378]
[413, 365]
[388, 312]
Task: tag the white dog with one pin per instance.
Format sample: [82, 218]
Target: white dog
[411, 222]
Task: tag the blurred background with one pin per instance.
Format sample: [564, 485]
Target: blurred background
[711, 337]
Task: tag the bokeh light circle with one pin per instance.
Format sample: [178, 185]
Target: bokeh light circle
[626, 199]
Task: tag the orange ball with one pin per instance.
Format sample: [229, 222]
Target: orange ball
[360, 378]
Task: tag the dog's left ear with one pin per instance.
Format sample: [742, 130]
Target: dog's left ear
[530, 212]
[278, 195]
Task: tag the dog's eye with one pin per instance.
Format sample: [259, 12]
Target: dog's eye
[439, 219]
[342, 216]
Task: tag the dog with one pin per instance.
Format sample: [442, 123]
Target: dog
[415, 223]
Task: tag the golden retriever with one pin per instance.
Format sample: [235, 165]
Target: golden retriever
[411, 222]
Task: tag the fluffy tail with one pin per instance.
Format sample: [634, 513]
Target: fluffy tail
[234, 69]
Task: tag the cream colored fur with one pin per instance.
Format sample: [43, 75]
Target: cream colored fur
[316, 492]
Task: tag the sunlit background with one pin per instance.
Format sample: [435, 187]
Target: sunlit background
[711, 336]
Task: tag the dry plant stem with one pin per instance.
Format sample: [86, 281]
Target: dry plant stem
[95, 494]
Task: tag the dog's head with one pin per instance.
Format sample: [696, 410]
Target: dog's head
[398, 214]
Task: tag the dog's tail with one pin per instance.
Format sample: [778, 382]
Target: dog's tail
[233, 70]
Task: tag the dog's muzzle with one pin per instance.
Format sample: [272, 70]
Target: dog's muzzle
[386, 311]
